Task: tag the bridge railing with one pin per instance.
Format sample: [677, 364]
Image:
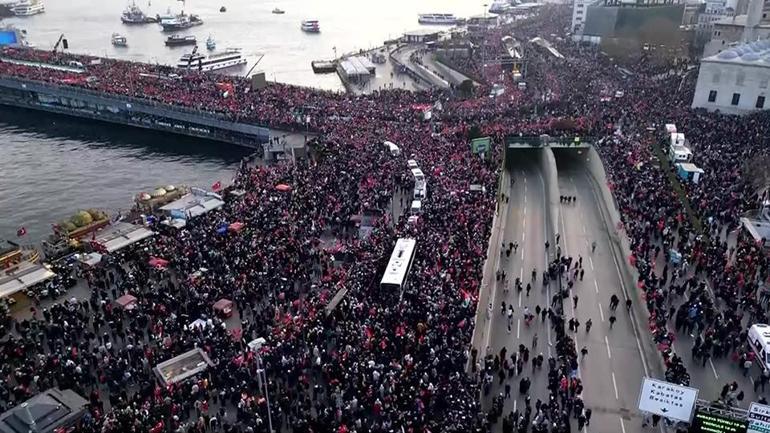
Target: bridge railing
[549, 141]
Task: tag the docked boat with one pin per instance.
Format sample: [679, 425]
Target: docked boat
[211, 44]
[223, 9]
[25, 8]
[279, 11]
[437, 19]
[499, 7]
[179, 40]
[230, 58]
[311, 26]
[134, 15]
[119, 40]
[180, 22]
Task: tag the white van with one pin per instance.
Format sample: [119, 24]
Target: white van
[679, 154]
[412, 164]
[759, 340]
[420, 193]
[416, 207]
[677, 139]
[671, 128]
[394, 150]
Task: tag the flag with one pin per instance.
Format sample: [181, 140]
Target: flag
[21, 232]
[216, 186]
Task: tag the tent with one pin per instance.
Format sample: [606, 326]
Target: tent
[236, 227]
[283, 187]
[158, 263]
[224, 307]
[126, 302]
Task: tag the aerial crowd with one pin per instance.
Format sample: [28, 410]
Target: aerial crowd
[378, 360]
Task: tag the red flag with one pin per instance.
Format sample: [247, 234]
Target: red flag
[217, 186]
[21, 232]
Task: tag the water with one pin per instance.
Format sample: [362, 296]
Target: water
[52, 166]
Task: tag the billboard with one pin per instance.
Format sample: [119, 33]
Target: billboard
[675, 402]
[759, 418]
[705, 422]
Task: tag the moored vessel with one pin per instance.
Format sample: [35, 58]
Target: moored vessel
[310, 26]
[178, 40]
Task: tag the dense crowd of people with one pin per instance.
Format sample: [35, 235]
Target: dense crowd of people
[380, 360]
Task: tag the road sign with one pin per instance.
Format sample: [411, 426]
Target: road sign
[759, 418]
[713, 422]
[668, 400]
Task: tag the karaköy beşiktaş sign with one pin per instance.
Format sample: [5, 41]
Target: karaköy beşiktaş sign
[668, 400]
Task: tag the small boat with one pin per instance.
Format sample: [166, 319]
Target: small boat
[134, 15]
[178, 40]
[279, 11]
[223, 9]
[26, 8]
[180, 22]
[211, 44]
[310, 26]
[119, 40]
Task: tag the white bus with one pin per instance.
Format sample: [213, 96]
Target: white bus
[399, 265]
[419, 178]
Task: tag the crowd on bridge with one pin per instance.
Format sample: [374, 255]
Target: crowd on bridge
[383, 361]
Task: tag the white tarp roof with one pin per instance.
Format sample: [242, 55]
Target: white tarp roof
[194, 205]
[25, 277]
[357, 66]
[120, 235]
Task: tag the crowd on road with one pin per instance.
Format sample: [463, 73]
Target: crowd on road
[382, 360]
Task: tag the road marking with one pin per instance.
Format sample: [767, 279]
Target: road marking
[615, 386]
[609, 354]
[521, 273]
[601, 312]
[523, 238]
[522, 255]
[519, 299]
[714, 370]
[596, 286]
[548, 288]
[524, 223]
[591, 262]
[525, 201]
[622, 426]
[622, 284]
[518, 329]
[514, 405]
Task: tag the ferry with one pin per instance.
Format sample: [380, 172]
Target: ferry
[211, 44]
[230, 58]
[134, 15]
[178, 40]
[26, 8]
[181, 22]
[310, 26]
[278, 11]
[439, 19]
[119, 40]
[499, 7]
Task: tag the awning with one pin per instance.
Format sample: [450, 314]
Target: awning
[11, 284]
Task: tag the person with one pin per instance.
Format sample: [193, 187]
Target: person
[628, 305]
[612, 320]
[583, 352]
[614, 302]
[589, 323]
[534, 341]
[574, 301]
[593, 246]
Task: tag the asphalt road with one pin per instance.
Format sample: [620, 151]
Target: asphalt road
[613, 369]
[526, 225]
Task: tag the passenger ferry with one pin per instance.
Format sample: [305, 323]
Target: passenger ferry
[26, 8]
[230, 58]
[440, 19]
[310, 26]
[176, 40]
[180, 22]
[119, 40]
[134, 15]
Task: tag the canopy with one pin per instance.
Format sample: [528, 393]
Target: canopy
[236, 226]
[283, 187]
[158, 263]
[127, 302]
[223, 306]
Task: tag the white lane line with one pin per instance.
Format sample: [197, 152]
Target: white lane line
[615, 386]
[523, 239]
[601, 312]
[514, 405]
[596, 286]
[519, 299]
[518, 329]
[522, 255]
[521, 276]
[584, 229]
[607, 342]
[713, 370]
[548, 288]
[622, 285]
[591, 262]
[622, 425]
[525, 201]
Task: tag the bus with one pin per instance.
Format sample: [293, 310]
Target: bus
[397, 273]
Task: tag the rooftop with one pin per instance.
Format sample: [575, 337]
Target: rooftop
[753, 53]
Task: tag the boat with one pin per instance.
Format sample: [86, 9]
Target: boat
[180, 22]
[278, 11]
[211, 44]
[438, 19]
[178, 40]
[119, 40]
[310, 26]
[499, 7]
[134, 15]
[230, 58]
[26, 8]
[223, 9]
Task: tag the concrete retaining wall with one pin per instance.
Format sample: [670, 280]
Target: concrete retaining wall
[551, 179]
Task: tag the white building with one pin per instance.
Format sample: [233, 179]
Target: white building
[735, 80]
[579, 13]
[730, 30]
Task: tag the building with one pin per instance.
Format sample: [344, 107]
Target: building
[735, 80]
[579, 16]
[48, 412]
[730, 30]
